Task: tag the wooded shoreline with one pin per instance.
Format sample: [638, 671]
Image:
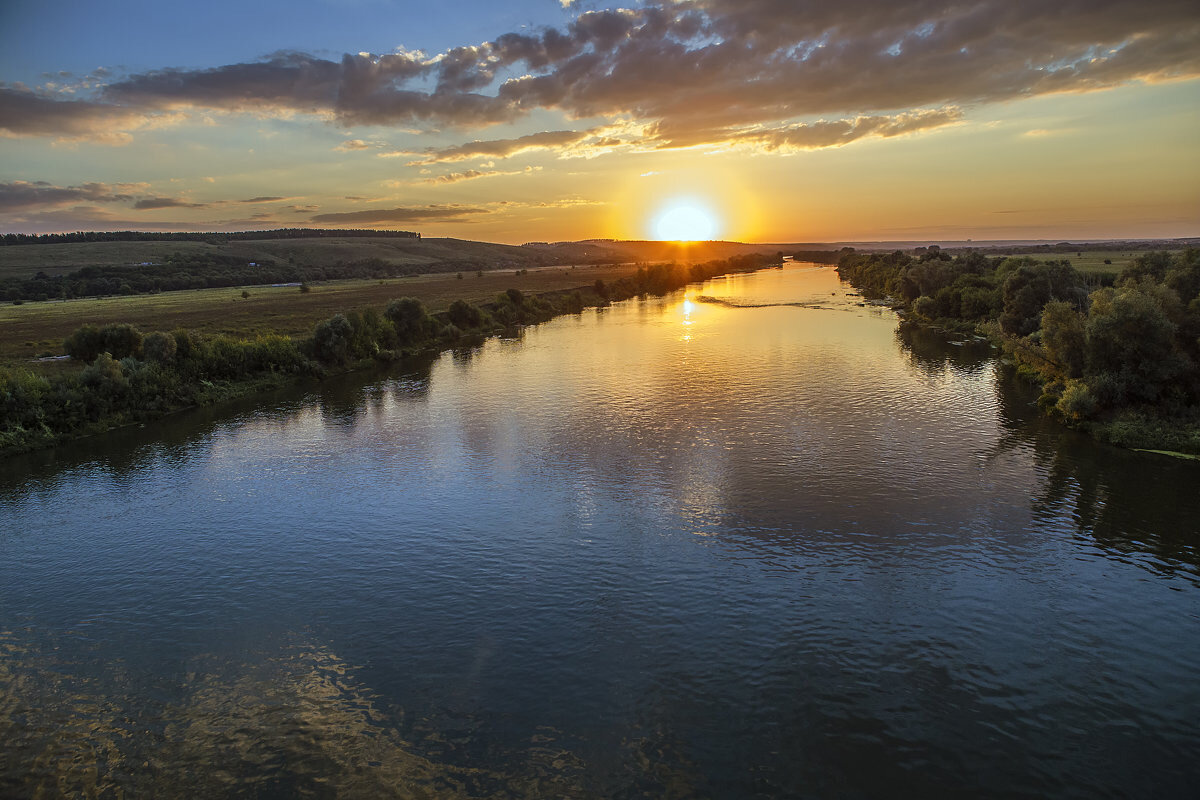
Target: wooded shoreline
[1116, 356]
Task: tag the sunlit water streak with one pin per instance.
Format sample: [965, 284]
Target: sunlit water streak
[764, 545]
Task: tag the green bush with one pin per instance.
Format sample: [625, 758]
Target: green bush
[408, 318]
[331, 340]
[464, 315]
[1077, 401]
[159, 347]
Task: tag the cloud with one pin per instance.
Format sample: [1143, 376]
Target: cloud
[841, 132]
[352, 145]
[502, 148]
[95, 218]
[264, 199]
[18, 195]
[473, 174]
[401, 216]
[690, 71]
[150, 203]
[24, 112]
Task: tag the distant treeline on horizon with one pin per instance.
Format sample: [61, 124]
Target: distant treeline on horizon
[233, 236]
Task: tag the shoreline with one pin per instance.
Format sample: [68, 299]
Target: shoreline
[187, 369]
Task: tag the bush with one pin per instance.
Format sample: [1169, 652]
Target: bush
[1077, 401]
[84, 344]
[464, 315]
[331, 340]
[121, 340]
[159, 347]
[408, 317]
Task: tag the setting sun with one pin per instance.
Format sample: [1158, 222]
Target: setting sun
[685, 222]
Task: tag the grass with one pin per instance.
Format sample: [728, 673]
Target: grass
[1092, 261]
[34, 329]
[23, 261]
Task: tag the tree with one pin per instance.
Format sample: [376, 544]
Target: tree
[1064, 337]
[331, 340]
[464, 315]
[159, 347]
[1131, 352]
[408, 316]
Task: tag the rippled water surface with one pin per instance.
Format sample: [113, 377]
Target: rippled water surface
[747, 540]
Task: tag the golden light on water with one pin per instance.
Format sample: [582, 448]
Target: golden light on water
[687, 306]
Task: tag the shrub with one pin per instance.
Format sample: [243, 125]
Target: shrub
[331, 340]
[159, 347]
[121, 340]
[1077, 401]
[84, 344]
[464, 315]
[408, 317]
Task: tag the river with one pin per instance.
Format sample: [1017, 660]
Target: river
[750, 539]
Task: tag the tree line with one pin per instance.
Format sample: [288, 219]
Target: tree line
[211, 238]
[1121, 361]
[130, 375]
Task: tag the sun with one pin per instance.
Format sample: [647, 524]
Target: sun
[685, 221]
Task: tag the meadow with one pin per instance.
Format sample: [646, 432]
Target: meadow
[33, 330]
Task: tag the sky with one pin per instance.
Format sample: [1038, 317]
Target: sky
[555, 120]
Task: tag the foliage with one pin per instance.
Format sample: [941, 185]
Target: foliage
[331, 342]
[118, 340]
[159, 347]
[464, 315]
[1119, 352]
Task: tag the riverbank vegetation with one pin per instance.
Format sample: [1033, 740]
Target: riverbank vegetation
[132, 375]
[1117, 355]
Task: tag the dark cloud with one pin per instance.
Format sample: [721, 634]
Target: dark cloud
[17, 195]
[149, 203]
[401, 215]
[24, 112]
[687, 68]
[264, 199]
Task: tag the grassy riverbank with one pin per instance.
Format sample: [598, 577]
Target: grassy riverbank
[1118, 357]
[123, 374]
[38, 329]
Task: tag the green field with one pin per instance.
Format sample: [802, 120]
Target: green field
[1092, 260]
[35, 329]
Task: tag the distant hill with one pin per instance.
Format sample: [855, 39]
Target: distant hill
[395, 252]
[101, 264]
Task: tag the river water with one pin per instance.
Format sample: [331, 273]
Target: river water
[750, 539]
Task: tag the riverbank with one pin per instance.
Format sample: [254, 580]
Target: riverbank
[33, 330]
[133, 376]
[1117, 358]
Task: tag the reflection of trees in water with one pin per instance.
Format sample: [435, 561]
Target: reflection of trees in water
[933, 353]
[1125, 501]
[344, 399]
[293, 725]
[122, 454]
